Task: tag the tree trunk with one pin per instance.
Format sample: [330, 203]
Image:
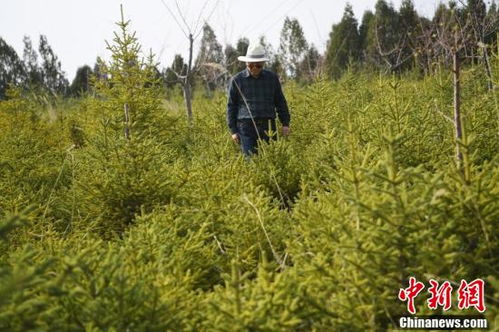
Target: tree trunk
[457, 108]
[188, 82]
[188, 100]
[488, 71]
[127, 121]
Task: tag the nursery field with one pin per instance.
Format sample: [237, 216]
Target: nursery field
[173, 229]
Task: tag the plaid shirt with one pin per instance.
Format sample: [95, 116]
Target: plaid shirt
[263, 95]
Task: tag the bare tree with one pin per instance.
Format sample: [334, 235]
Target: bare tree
[453, 43]
[482, 26]
[395, 57]
[191, 33]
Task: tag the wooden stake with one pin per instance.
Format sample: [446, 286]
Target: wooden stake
[127, 121]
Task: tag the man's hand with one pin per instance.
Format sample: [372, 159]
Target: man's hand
[285, 130]
[235, 138]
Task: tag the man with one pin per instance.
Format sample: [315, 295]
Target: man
[254, 98]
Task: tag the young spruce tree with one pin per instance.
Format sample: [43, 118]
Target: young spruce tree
[125, 173]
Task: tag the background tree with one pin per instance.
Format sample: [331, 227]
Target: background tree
[385, 41]
[473, 17]
[81, 82]
[99, 74]
[293, 45]
[242, 48]
[493, 18]
[54, 79]
[275, 63]
[344, 44]
[12, 70]
[177, 66]
[367, 17]
[210, 49]
[30, 61]
[191, 32]
[310, 66]
[210, 59]
[230, 59]
[410, 29]
[481, 27]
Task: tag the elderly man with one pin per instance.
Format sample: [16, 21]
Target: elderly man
[254, 98]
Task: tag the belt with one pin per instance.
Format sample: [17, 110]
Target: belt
[257, 120]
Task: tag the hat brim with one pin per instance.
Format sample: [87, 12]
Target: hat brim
[250, 59]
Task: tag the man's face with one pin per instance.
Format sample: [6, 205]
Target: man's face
[255, 68]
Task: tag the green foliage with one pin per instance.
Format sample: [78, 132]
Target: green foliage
[81, 82]
[344, 44]
[292, 45]
[171, 228]
[11, 68]
[54, 79]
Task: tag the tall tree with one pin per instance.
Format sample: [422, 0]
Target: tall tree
[53, 77]
[30, 61]
[493, 18]
[210, 49]
[367, 17]
[242, 47]
[191, 33]
[230, 59]
[210, 59]
[81, 82]
[410, 30]
[475, 13]
[309, 67]
[178, 66]
[344, 44]
[293, 45]
[275, 62]
[11, 68]
[385, 42]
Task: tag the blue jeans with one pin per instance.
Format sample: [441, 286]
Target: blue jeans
[249, 135]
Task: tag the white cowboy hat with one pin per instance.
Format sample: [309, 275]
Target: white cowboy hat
[255, 53]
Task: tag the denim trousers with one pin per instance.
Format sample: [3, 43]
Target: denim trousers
[250, 132]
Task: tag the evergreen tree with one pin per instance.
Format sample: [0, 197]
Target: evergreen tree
[410, 31]
[230, 59]
[210, 50]
[442, 15]
[53, 77]
[493, 18]
[30, 61]
[177, 68]
[475, 10]
[363, 31]
[97, 69]
[11, 68]
[309, 67]
[475, 14]
[344, 44]
[242, 48]
[210, 59]
[384, 44]
[293, 45]
[81, 82]
[275, 63]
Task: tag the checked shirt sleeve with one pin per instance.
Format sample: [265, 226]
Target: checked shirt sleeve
[232, 106]
[281, 104]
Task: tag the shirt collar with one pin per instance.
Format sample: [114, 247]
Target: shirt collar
[247, 74]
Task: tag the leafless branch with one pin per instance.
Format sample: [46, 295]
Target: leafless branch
[182, 17]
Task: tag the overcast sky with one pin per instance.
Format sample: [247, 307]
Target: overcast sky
[77, 29]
